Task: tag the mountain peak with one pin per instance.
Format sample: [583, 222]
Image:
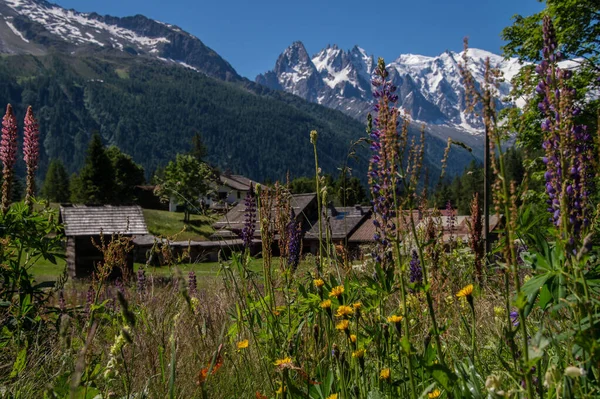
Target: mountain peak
[429, 87]
[42, 26]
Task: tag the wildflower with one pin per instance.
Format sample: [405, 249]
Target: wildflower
[31, 152]
[62, 304]
[89, 299]
[451, 223]
[242, 344]
[8, 154]
[141, 281]
[342, 325]
[318, 283]
[337, 291]
[574, 372]
[415, 272]
[285, 362]
[313, 137]
[434, 394]
[280, 390]
[384, 374]
[465, 292]
[294, 231]
[514, 318]
[357, 306]
[385, 143]
[250, 218]
[394, 319]
[326, 304]
[359, 353]
[260, 395]
[353, 338]
[568, 146]
[192, 285]
[344, 311]
[333, 396]
[335, 351]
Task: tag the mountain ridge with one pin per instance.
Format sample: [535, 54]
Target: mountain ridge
[429, 87]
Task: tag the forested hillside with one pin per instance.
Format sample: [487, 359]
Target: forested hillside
[151, 109]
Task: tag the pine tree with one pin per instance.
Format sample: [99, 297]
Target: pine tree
[199, 150]
[128, 174]
[96, 178]
[56, 185]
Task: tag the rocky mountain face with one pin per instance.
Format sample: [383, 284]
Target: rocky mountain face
[429, 88]
[37, 27]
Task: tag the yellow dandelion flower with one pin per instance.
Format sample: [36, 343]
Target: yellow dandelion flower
[353, 338]
[359, 354]
[394, 319]
[242, 344]
[342, 325]
[384, 374]
[466, 292]
[343, 311]
[333, 396]
[318, 283]
[337, 291]
[357, 305]
[286, 361]
[434, 394]
[326, 304]
[281, 390]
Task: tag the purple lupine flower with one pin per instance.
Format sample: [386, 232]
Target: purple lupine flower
[89, 299]
[415, 272]
[294, 231]
[8, 154]
[192, 286]
[383, 162]
[250, 218]
[568, 146]
[31, 152]
[451, 222]
[62, 305]
[141, 282]
[514, 318]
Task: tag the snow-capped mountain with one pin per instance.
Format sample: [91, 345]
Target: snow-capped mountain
[37, 26]
[429, 88]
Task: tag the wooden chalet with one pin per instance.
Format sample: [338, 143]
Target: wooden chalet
[85, 224]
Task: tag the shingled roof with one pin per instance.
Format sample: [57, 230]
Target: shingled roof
[342, 221]
[237, 182]
[82, 220]
[235, 218]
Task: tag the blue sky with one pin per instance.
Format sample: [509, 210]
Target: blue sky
[250, 34]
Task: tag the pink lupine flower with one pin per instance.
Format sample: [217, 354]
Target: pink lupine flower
[31, 152]
[8, 153]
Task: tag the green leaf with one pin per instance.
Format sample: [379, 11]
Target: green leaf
[20, 363]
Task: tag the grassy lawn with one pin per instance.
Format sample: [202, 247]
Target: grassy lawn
[169, 224]
[44, 270]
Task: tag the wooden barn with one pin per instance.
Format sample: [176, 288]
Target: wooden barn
[84, 225]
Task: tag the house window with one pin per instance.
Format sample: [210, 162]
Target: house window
[222, 195]
[239, 195]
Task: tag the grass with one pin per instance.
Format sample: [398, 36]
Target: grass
[44, 270]
[169, 224]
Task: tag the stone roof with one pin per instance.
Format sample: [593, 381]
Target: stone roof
[83, 220]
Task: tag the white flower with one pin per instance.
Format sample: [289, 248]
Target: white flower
[574, 372]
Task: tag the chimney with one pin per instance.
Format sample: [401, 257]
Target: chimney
[332, 209]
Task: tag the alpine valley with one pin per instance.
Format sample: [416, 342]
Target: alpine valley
[148, 87]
